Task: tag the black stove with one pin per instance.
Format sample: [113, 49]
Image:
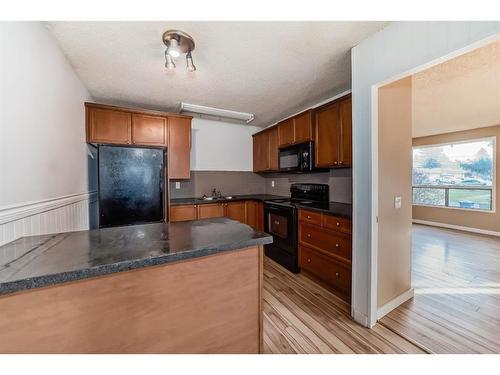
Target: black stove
[281, 221]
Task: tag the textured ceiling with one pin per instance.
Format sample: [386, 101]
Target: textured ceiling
[271, 69]
[460, 94]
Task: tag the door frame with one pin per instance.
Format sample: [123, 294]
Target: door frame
[373, 276]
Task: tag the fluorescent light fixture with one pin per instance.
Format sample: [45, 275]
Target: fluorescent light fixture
[217, 112]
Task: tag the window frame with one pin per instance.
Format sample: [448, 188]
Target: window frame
[493, 181]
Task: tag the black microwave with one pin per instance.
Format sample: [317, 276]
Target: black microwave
[297, 158]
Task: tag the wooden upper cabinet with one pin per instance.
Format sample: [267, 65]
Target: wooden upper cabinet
[286, 134]
[273, 140]
[345, 155]
[261, 152]
[303, 127]
[108, 126]
[149, 130]
[237, 211]
[327, 130]
[179, 148]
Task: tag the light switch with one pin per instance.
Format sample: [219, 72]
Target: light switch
[177, 184]
[397, 202]
[272, 183]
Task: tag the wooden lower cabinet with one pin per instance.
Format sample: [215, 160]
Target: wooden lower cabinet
[255, 215]
[206, 211]
[325, 250]
[335, 275]
[183, 213]
[249, 212]
[237, 211]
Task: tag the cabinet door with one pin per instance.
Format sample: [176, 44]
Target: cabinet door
[303, 127]
[108, 126]
[182, 213]
[179, 147]
[260, 216]
[327, 129]
[345, 158]
[236, 211]
[285, 132]
[251, 219]
[206, 211]
[149, 130]
[273, 149]
[261, 152]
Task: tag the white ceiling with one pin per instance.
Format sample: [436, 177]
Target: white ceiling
[271, 69]
[460, 94]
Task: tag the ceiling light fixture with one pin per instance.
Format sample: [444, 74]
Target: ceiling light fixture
[216, 112]
[178, 42]
[169, 61]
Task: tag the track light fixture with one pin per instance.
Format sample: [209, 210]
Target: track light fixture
[178, 42]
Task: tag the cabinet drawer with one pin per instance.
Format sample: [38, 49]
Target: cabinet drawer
[330, 243]
[310, 217]
[333, 273]
[337, 223]
[182, 213]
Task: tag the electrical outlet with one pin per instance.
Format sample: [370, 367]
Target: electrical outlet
[177, 184]
[272, 183]
[397, 202]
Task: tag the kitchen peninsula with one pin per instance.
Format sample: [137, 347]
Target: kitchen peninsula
[187, 287]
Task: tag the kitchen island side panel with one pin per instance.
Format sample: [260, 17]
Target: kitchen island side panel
[210, 304]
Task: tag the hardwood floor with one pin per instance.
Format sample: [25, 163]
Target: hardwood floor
[456, 309]
[302, 317]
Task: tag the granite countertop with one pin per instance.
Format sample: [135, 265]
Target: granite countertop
[332, 208]
[257, 197]
[38, 261]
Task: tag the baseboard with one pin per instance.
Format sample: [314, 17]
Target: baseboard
[23, 210]
[395, 302]
[457, 227]
[360, 318]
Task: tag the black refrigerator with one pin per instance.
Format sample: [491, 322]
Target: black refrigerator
[131, 185]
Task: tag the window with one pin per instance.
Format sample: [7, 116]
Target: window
[459, 175]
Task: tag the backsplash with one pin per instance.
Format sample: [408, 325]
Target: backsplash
[228, 182]
[339, 180]
[238, 183]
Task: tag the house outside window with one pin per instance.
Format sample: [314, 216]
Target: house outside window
[456, 175]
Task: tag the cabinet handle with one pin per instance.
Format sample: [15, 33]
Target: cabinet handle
[308, 216]
[308, 235]
[340, 162]
[337, 274]
[308, 260]
[337, 245]
[338, 224]
[335, 163]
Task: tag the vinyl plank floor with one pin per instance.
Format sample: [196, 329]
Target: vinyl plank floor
[456, 308]
[303, 317]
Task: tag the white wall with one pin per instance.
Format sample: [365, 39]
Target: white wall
[221, 146]
[43, 154]
[398, 48]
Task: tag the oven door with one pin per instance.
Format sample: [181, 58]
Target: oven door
[281, 223]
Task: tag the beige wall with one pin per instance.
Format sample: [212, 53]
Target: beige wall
[465, 218]
[395, 164]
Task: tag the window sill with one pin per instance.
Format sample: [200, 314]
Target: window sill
[456, 208]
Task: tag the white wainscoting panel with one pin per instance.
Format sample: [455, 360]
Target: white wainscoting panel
[63, 214]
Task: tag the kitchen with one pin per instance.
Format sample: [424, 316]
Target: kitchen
[141, 222]
[206, 206]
